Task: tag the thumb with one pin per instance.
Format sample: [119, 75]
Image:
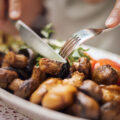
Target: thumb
[114, 18]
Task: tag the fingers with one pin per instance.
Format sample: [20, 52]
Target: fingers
[2, 9]
[114, 18]
[14, 9]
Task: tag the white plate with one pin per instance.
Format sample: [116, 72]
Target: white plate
[37, 112]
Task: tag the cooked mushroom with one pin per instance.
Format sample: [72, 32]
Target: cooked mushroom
[15, 60]
[6, 77]
[84, 106]
[53, 67]
[15, 84]
[59, 97]
[30, 54]
[28, 86]
[1, 57]
[76, 80]
[92, 89]
[38, 94]
[83, 65]
[110, 111]
[111, 93]
[105, 75]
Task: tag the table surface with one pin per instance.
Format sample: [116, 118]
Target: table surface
[7, 113]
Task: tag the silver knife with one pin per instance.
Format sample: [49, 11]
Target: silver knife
[36, 43]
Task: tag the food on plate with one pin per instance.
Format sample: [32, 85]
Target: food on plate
[85, 106]
[105, 75]
[82, 65]
[82, 87]
[59, 97]
[39, 93]
[111, 93]
[92, 89]
[110, 111]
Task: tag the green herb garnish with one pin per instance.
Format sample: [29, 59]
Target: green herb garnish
[47, 30]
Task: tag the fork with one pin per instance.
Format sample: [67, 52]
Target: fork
[79, 38]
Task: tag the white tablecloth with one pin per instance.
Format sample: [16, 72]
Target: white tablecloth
[7, 113]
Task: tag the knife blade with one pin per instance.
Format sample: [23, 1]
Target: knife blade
[36, 43]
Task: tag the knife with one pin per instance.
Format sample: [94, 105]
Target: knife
[36, 43]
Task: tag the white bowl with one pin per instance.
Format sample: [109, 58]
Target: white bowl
[37, 112]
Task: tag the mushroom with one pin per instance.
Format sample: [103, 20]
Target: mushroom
[1, 57]
[84, 106]
[110, 93]
[43, 88]
[15, 60]
[54, 68]
[28, 86]
[83, 65]
[105, 75]
[59, 97]
[92, 89]
[76, 79]
[110, 111]
[6, 77]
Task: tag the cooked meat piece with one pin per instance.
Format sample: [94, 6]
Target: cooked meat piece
[76, 80]
[92, 89]
[53, 67]
[38, 94]
[28, 86]
[6, 77]
[110, 93]
[1, 57]
[15, 60]
[15, 84]
[110, 111]
[105, 75]
[83, 65]
[59, 97]
[84, 106]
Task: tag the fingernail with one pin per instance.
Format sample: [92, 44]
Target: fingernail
[110, 21]
[14, 14]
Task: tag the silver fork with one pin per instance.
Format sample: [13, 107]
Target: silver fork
[79, 38]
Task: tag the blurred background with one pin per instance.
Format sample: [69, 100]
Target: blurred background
[66, 16]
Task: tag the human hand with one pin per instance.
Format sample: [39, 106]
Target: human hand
[114, 18]
[26, 10]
